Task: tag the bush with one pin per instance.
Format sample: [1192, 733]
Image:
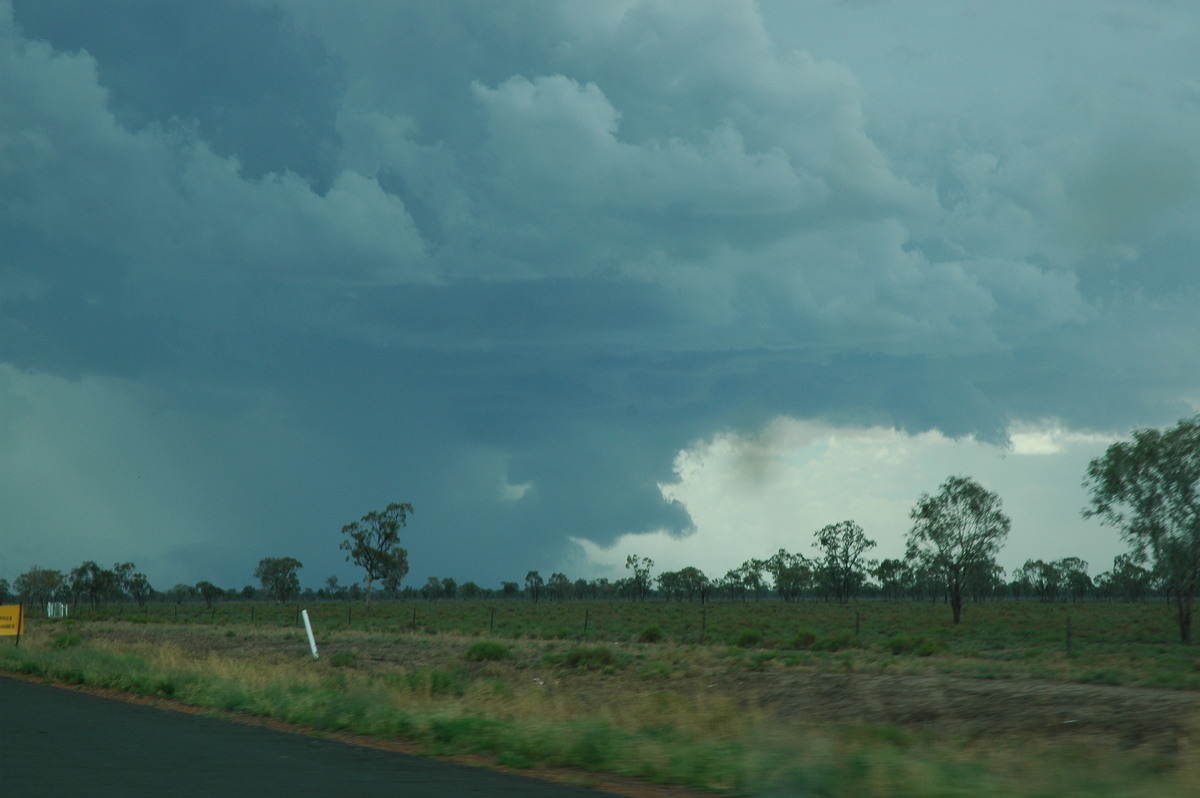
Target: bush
[651, 634]
[804, 639]
[66, 641]
[343, 659]
[749, 638]
[911, 644]
[488, 651]
[835, 642]
[587, 657]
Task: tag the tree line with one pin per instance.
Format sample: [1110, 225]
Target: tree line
[1148, 488]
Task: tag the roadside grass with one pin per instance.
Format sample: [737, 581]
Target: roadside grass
[522, 706]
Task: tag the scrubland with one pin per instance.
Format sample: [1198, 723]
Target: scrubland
[755, 698]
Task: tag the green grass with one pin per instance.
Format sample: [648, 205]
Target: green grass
[497, 698]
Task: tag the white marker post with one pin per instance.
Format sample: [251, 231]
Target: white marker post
[312, 643]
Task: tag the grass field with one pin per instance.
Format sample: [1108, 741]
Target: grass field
[725, 697]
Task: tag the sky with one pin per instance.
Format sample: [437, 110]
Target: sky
[685, 279]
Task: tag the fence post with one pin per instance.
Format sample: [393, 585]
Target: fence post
[586, 612]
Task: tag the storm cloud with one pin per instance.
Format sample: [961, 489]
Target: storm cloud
[267, 265]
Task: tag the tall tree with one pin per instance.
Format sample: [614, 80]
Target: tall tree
[374, 543]
[278, 577]
[641, 574]
[1074, 575]
[533, 584]
[138, 586]
[793, 573]
[92, 582]
[843, 567]
[559, 585]
[39, 585]
[1149, 489]
[209, 592]
[893, 576]
[957, 534]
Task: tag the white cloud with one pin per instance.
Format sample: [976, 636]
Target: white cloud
[752, 495]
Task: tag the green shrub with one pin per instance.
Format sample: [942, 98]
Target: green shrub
[748, 638]
[912, 644]
[66, 641]
[836, 642]
[903, 644]
[804, 639]
[651, 634]
[488, 651]
[587, 657]
[343, 659]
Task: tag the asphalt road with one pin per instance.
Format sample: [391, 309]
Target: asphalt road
[60, 744]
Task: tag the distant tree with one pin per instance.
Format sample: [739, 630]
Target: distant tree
[533, 585]
[669, 584]
[90, 581]
[793, 573]
[1149, 489]
[138, 587]
[510, 589]
[694, 583]
[278, 577]
[640, 566]
[4, 591]
[732, 584]
[209, 592]
[470, 590]
[181, 593]
[249, 592]
[449, 587]
[39, 585]
[1127, 579]
[892, 575]
[986, 582]
[843, 568]
[432, 590]
[559, 585]
[374, 543]
[1042, 578]
[1073, 573]
[958, 533]
[751, 575]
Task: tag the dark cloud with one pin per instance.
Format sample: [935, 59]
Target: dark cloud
[505, 261]
[255, 89]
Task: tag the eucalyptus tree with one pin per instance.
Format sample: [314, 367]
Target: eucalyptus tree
[793, 573]
[842, 567]
[957, 533]
[209, 592]
[39, 585]
[1149, 488]
[893, 575]
[641, 574]
[92, 582]
[373, 543]
[277, 575]
[533, 585]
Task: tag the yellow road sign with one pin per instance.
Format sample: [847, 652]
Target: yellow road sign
[12, 622]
